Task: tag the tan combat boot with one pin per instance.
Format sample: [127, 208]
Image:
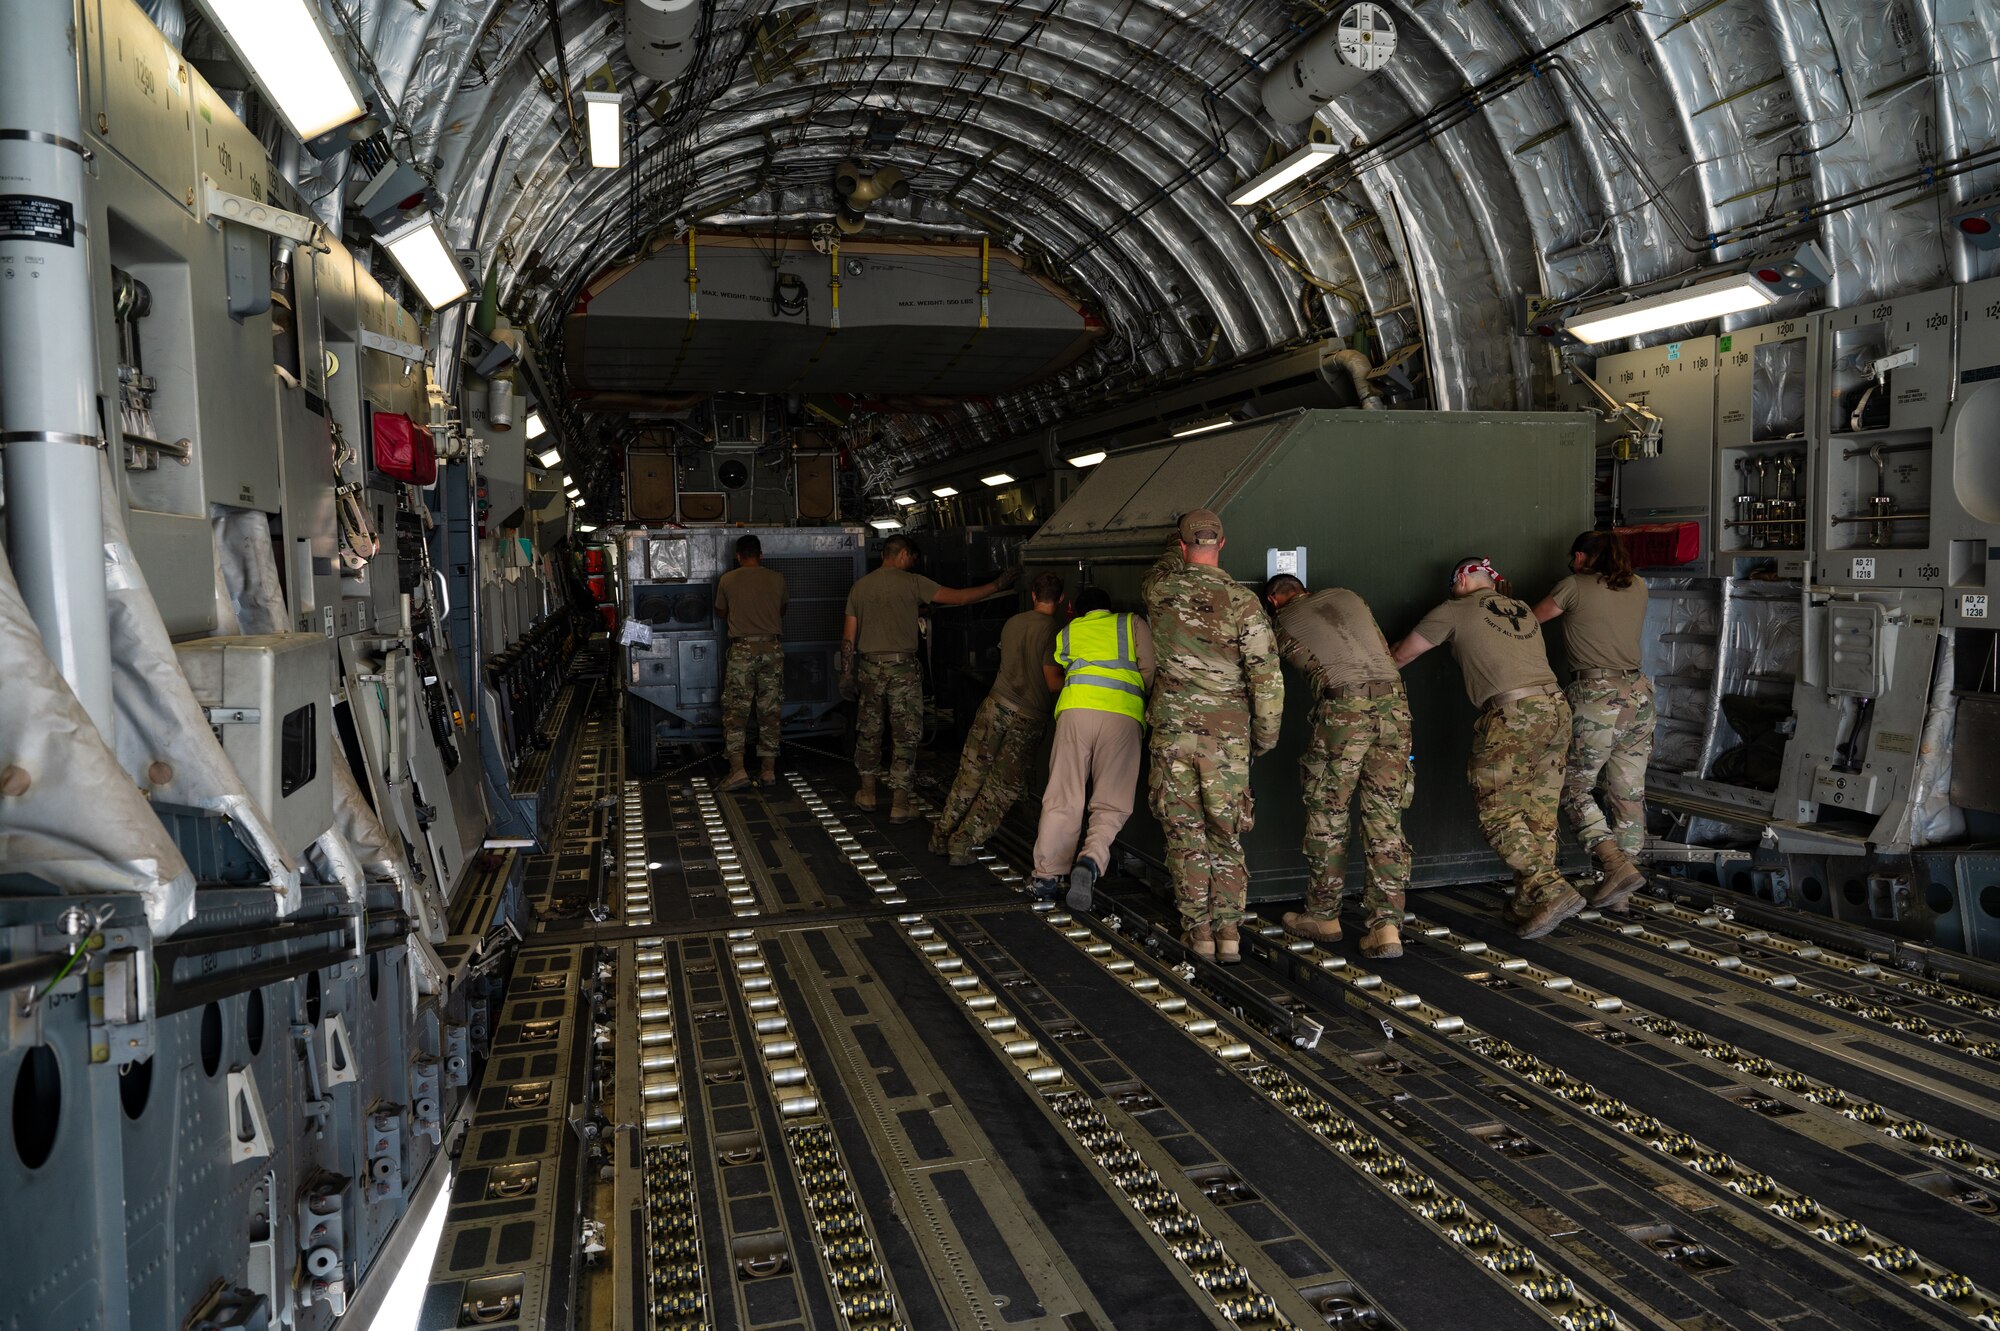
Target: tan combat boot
[1228, 946]
[1200, 940]
[1621, 877]
[864, 798]
[1301, 925]
[737, 778]
[1541, 916]
[902, 808]
[1382, 943]
[769, 774]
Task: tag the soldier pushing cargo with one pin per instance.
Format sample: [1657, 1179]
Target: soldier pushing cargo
[1001, 744]
[751, 600]
[1103, 663]
[1611, 708]
[879, 649]
[1217, 700]
[1360, 740]
[1518, 742]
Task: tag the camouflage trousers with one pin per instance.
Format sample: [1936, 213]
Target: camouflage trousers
[991, 771]
[891, 688]
[1199, 788]
[1358, 743]
[1516, 773]
[753, 681]
[1610, 743]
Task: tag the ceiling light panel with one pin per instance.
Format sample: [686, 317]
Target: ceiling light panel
[1289, 169]
[605, 112]
[293, 59]
[1695, 304]
[419, 249]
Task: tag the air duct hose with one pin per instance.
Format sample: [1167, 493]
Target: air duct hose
[1357, 367]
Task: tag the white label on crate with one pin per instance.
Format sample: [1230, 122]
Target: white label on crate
[1972, 605]
[329, 621]
[636, 633]
[1862, 569]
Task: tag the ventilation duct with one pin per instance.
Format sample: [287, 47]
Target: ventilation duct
[857, 189]
[659, 36]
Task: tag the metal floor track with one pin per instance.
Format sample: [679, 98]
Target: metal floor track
[844, 1086]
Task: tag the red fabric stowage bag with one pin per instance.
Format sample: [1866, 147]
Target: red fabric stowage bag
[1663, 544]
[403, 449]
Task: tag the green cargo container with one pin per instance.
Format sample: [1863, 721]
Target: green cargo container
[1382, 502]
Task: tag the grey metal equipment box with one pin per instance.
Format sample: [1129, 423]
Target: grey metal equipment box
[674, 668]
[1383, 503]
[266, 695]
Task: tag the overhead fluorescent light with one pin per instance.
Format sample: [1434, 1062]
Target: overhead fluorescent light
[585, 526]
[1088, 459]
[568, 480]
[1302, 162]
[419, 249]
[944, 491]
[997, 479]
[1203, 427]
[906, 501]
[548, 457]
[536, 429]
[573, 493]
[885, 524]
[1731, 294]
[294, 61]
[605, 113]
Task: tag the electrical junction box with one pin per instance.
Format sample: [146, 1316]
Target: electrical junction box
[266, 696]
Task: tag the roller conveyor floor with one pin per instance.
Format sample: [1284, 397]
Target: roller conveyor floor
[852, 1087]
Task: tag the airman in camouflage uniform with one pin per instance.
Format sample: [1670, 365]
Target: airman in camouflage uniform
[1519, 741]
[1361, 739]
[880, 628]
[1217, 700]
[1000, 747]
[1611, 708]
[752, 601]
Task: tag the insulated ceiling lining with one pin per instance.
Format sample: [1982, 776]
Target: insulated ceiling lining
[1105, 135]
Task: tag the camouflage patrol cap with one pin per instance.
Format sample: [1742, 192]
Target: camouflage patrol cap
[1200, 526]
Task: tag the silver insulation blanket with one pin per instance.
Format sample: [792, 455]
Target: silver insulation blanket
[356, 847]
[81, 826]
[159, 720]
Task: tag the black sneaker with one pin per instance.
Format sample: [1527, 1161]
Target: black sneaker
[1045, 889]
[1082, 879]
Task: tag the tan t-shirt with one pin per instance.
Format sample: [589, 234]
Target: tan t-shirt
[752, 599]
[1496, 640]
[1332, 636]
[886, 602]
[1602, 628]
[1027, 643]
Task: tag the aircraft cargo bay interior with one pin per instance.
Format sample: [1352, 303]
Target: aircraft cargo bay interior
[884, 665]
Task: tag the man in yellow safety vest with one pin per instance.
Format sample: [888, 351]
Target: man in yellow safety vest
[1104, 663]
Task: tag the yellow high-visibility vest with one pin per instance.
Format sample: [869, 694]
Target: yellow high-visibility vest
[1101, 667]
